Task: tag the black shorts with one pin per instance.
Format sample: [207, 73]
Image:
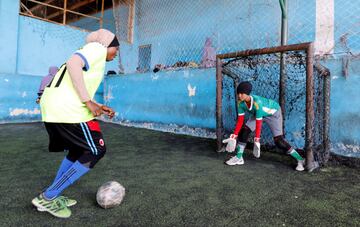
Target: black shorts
[84, 141]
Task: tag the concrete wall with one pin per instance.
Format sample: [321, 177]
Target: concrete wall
[42, 44]
[17, 98]
[167, 100]
[345, 107]
[9, 23]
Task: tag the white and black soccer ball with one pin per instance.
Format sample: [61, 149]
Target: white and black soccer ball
[110, 194]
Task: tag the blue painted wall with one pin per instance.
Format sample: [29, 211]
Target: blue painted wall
[345, 107]
[42, 44]
[174, 32]
[9, 35]
[347, 27]
[164, 97]
[17, 98]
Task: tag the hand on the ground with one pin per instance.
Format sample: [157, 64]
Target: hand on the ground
[230, 144]
[108, 111]
[256, 149]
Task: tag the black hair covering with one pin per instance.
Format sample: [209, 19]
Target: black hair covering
[114, 43]
[244, 88]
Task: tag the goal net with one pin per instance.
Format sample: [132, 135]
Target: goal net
[288, 75]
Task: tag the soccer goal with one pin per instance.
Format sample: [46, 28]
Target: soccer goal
[287, 74]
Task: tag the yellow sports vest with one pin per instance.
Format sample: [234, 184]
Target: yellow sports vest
[60, 102]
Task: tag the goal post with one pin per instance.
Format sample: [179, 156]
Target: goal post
[306, 103]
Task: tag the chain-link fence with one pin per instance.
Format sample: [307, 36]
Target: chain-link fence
[347, 28]
[177, 30]
[185, 33]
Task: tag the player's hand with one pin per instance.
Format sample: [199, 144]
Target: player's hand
[38, 100]
[95, 108]
[256, 149]
[108, 111]
[230, 143]
[233, 136]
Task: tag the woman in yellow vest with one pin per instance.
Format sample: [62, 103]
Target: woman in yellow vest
[69, 112]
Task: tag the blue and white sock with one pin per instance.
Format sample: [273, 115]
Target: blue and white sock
[64, 166]
[68, 178]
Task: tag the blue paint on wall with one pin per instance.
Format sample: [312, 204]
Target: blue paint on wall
[301, 21]
[44, 44]
[345, 108]
[18, 95]
[347, 29]
[9, 35]
[180, 97]
[172, 30]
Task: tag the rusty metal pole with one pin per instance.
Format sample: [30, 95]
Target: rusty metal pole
[64, 16]
[283, 75]
[309, 126]
[325, 79]
[219, 123]
[268, 50]
[102, 14]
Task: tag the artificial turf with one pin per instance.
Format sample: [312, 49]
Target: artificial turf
[174, 180]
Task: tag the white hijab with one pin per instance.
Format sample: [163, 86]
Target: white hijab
[103, 36]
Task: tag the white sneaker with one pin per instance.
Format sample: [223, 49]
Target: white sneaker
[300, 165]
[235, 161]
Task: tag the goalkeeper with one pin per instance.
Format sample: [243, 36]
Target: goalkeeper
[261, 109]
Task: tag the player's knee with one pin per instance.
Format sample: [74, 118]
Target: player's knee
[281, 143]
[91, 159]
[244, 134]
[73, 156]
[96, 160]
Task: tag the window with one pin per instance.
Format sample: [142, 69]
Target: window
[144, 58]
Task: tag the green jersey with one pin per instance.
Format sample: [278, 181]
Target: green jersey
[260, 107]
[60, 102]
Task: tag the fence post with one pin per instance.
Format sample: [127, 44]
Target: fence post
[219, 125]
[309, 140]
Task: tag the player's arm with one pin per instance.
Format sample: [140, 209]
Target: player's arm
[75, 67]
[239, 123]
[231, 141]
[258, 126]
[258, 120]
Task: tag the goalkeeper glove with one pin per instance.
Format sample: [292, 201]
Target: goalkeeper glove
[230, 143]
[256, 149]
